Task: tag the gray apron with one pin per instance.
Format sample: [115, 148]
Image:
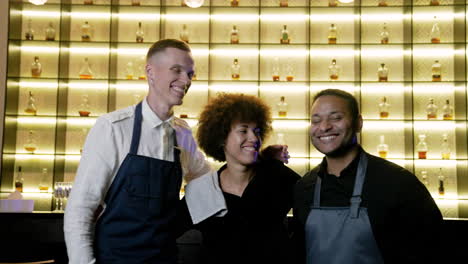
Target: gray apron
[338, 235]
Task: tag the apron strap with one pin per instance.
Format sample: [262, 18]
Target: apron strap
[136, 130]
[318, 185]
[358, 183]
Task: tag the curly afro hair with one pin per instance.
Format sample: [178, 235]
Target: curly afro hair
[222, 112]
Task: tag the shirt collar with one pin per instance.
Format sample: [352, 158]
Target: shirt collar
[349, 170]
[151, 118]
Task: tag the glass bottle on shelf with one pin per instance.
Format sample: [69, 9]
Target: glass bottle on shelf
[182, 3]
[85, 71]
[19, 180]
[436, 71]
[234, 35]
[333, 71]
[184, 34]
[29, 34]
[183, 112]
[332, 3]
[86, 32]
[84, 109]
[383, 3]
[441, 179]
[289, 69]
[50, 32]
[382, 73]
[285, 35]
[88, 2]
[136, 2]
[431, 110]
[282, 107]
[434, 2]
[332, 34]
[36, 68]
[384, 35]
[140, 35]
[448, 110]
[421, 147]
[235, 70]
[44, 183]
[435, 32]
[424, 179]
[384, 108]
[445, 147]
[280, 139]
[235, 3]
[142, 68]
[283, 3]
[129, 71]
[275, 69]
[30, 145]
[31, 107]
[382, 148]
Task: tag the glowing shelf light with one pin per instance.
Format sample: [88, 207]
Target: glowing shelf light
[316, 87]
[437, 125]
[186, 17]
[235, 17]
[130, 51]
[280, 18]
[36, 13]
[436, 164]
[24, 157]
[393, 17]
[138, 16]
[433, 88]
[290, 124]
[88, 84]
[319, 52]
[35, 120]
[441, 52]
[81, 121]
[280, 88]
[131, 86]
[384, 125]
[235, 52]
[284, 53]
[333, 17]
[40, 49]
[385, 52]
[36, 84]
[87, 51]
[234, 88]
[90, 15]
[441, 16]
[75, 158]
[384, 88]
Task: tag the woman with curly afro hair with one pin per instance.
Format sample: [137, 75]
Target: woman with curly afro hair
[258, 191]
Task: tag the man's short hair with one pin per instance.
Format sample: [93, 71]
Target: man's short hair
[161, 45]
[353, 106]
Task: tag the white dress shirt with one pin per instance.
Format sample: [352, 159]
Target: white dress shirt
[106, 146]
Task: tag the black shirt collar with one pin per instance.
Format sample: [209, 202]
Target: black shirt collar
[349, 170]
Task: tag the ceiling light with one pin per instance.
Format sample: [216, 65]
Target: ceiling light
[194, 3]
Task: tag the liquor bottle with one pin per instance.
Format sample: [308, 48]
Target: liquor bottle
[88, 2]
[235, 70]
[234, 35]
[282, 107]
[289, 69]
[284, 35]
[333, 71]
[84, 106]
[136, 2]
[50, 32]
[421, 147]
[182, 3]
[448, 111]
[140, 35]
[142, 68]
[30, 145]
[424, 179]
[275, 69]
[436, 71]
[183, 112]
[431, 110]
[435, 32]
[36, 68]
[29, 34]
[332, 3]
[384, 108]
[31, 108]
[85, 71]
[44, 183]
[383, 3]
[434, 2]
[441, 179]
[382, 73]
[332, 34]
[384, 35]
[283, 3]
[19, 181]
[280, 139]
[86, 32]
[184, 34]
[382, 148]
[235, 3]
[129, 71]
[445, 148]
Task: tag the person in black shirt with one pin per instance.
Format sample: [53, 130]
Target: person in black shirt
[355, 207]
[258, 191]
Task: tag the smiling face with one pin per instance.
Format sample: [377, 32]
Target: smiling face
[333, 130]
[242, 144]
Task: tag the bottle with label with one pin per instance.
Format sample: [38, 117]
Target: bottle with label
[332, 3]
[441, 179]
[436, 71]
[129, 71]
[235, 3]
[44, 183]
[84, 109]
[31, 107]
[88, 2]
[445, 147]
[289, 69]
[435, 32]
[448, 111]
[333, 71]
[275, 69]
[183, 112]
[421, 147]
[19, 180]
[50, 32]
[431, 110]
[285, 35]
[36, 68]
[283, 3]
[86, 32]
[235, 70]
[282, 107]
[384, 35]
[234, 35]
[424, 179]
[434, 2]
[29, 34]
[384, 108]
[142, 68]
[382, 148]
[383, 3]
[85, 71]
[332, 34]
[184, 34]
[136, 2]
[30, 145]
[140, 34]
[382, 73]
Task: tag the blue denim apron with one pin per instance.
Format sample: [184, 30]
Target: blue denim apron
[338, 235]
[136, 226]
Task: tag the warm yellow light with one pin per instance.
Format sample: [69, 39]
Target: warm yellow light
[433, 88]
[92, 15]
[186, 17]
[131, 86]
[150, 17]
[383, 125]
[320, 52]
[194, 3]
[383, 88]
[36, 13]
[284, 53]
[290, 124]
[234, 52]
[38, 2]
[35, 84]
[86, 51]
[333, 17]
[22, 157]
[436, 125]
[280, 18]
[234, 88]
[393, 17]
[235, 17]
[441, 52]
[440, 16]
[40, 49]
[385, 52]
[130, 51]
[81, 121]
[36, 120]
[280, 88]
[88, 85]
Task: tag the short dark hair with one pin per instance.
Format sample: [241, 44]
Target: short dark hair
[353, 105]
[219, 115]
[161, 45]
